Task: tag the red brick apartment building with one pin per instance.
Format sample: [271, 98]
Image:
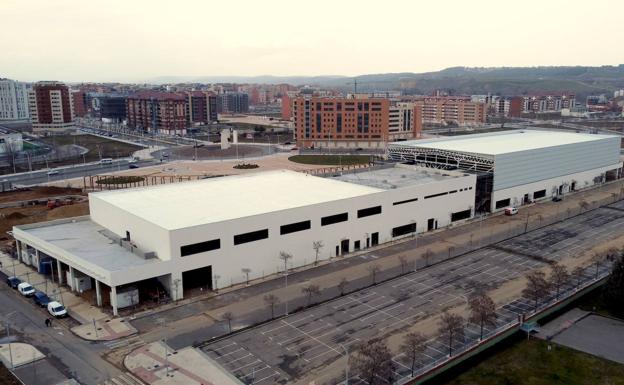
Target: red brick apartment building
[348, 122]
[162, 112]
[51, 107]
[541, 102]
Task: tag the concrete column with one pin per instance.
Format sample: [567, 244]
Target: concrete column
[36, 261]
[18, 245]
[98, 293]
[72, 278]
[113, 300]
[59, 272]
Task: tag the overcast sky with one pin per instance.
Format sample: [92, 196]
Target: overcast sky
[131, 40]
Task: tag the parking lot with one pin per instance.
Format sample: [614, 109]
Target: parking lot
[284, 350]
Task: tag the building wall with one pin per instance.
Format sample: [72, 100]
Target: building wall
[11, 143]
[13, 100]
[523, 167]
[456, 110]
[551, 186]
[157, 111]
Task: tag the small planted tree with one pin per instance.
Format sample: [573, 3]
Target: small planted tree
[583, 205]
[482, 311]
[372, 362]
[342, 285]
[536, 287]
[309, 291]
[374, 270]
[613, 291]
[246, 271]
[559, 276]
[428, 255]
[403, 262]
[597, 260]
[451, 327]
[271, 300]
[228, 316]
[413, 346]
[284, 256]
[577, 274]
[317, 246]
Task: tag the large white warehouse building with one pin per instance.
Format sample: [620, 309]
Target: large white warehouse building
[520, 166]
[203, 233]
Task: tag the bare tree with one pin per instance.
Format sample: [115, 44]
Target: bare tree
[482, 311]
[428, 255]
[583, 205]
[403, 261]
[216, 281]
[536, 288]
[271, 300]
[577, 274]
[451, 327]
[310, 291]
[176, 285]
[246, 271]
[374, 270]
[559, 276]
[413, 346]
[284, 256]
[228, 316]
[597, 260]
[373, 363]
[342, 285]
[317, 246]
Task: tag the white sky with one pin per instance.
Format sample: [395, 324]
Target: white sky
[127, 40]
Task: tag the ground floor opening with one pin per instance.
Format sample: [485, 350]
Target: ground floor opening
[197, 280]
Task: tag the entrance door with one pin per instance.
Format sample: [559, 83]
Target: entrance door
[337, 250]
[367, 243]
[344, 246]
[374, 239]
[430, 224]
[526, 199]
[356, 245]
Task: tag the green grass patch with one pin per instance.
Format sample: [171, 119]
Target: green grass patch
[531, 363]
[120, 180]
[331, 160]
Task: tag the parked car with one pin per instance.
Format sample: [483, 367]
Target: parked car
[57, 310]
[557, 198]
[41, 299]
[511, 211]
[133, 166]
[26, 289]
[13, 282]
[53, 172]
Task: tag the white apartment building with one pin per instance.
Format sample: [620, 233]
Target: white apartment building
[13, 100]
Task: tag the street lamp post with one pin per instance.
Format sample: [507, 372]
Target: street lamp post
[347, 365]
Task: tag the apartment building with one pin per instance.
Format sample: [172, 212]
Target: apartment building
[51, 106]
[351, 122]
[162, 112]
[542, 103]
[233, 103]
[460, 110]
[13, 100]
[201, 107]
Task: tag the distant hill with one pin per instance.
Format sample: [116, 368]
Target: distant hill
[457, 80]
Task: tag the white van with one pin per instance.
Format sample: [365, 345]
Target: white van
[56, 309]
[106, 161]
[26, 289]
[511, 211]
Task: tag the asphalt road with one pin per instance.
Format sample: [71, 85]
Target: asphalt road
[69, 354]
[284, 350]
[69, 172]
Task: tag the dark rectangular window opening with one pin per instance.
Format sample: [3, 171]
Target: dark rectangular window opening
[452, 191]
[294, 227]
[251, 236]
[458, 216]
[503, 203]
[436, 195]
[200, 247]
[330, 220]
[539, 194]
[403, 230]
[369, 211]
[405, 201]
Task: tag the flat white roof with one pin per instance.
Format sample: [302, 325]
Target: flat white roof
[497, 143]
[186, 204]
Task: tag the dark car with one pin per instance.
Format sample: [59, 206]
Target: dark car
[132, 165]
[41, 299]
[13, 282]
[557, 199]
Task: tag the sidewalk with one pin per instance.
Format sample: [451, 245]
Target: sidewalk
[158, 364]
[16, 354]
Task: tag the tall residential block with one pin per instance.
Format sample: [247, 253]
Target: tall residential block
[349, 122]
[162, 112]
[13, 100]
[51, 106]
[460, 110]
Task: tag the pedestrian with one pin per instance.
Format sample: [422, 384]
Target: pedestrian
[47, 322]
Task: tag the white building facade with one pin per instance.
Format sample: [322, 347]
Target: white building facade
[204, 233]
[13, 100]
